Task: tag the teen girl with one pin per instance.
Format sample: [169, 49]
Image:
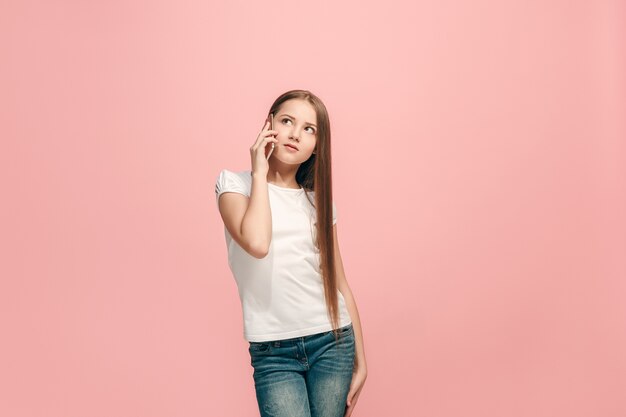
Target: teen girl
[300, 317]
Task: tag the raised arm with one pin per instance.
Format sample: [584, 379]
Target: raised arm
[248, 219]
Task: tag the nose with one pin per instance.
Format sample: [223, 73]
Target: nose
[294, 136]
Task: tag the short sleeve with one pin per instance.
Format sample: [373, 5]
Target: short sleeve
[228, 181]
[334, 213]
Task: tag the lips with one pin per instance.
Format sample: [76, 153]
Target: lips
[291, 146]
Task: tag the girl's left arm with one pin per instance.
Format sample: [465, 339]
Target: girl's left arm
[360, 363]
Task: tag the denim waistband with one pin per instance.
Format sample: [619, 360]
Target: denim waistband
[294, 340]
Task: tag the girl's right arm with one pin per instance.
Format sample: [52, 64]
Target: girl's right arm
[248, 219]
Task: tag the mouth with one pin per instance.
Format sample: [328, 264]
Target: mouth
[290, 146]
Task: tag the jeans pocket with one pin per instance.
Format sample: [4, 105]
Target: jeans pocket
[259, 347]
[342, 331]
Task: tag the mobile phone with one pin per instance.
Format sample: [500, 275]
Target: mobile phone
[271, 128]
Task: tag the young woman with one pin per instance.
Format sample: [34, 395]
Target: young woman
[300, 317]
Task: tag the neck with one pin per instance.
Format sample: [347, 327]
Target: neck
[283, 177]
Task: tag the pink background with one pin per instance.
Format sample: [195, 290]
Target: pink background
[479, 164]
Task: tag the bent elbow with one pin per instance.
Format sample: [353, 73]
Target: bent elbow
[259, 251]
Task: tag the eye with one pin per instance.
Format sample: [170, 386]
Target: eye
[289, 120]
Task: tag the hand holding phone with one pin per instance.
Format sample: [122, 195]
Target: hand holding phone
[258, 151]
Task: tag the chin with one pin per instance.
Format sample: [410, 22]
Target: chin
[292, 160]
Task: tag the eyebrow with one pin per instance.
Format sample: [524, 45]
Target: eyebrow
[288, 115]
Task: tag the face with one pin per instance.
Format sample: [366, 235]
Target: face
[296, 123]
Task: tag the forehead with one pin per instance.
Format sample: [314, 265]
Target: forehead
[300, 109]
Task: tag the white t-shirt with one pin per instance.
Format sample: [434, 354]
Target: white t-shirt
[282, 294]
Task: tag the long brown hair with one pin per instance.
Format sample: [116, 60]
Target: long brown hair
[315, 174]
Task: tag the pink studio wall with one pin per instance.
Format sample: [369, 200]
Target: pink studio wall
[479, 164]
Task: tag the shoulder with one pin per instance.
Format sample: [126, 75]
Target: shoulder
[233, 181]
[243, 175]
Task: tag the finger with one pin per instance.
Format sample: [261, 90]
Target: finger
[263, 136]
[267, 133]
[265, 125]
[270, 139]
[349, 410]
[350, 393]
[353, 395]
[262, 143]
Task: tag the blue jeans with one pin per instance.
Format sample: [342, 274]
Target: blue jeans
[306, 376]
